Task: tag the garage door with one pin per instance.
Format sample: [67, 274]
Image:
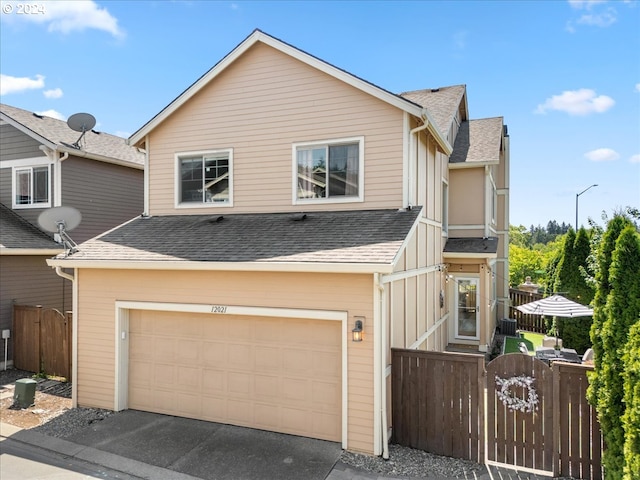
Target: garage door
[277, 374]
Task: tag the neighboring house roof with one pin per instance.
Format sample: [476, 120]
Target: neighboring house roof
[404, 104]
[53, 132]
[473, 245]
[478, 141]
[442, 103]
[371, 237]
[16, 234]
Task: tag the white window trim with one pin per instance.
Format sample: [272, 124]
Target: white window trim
[328, 142]
[177, 178]
[23, 166]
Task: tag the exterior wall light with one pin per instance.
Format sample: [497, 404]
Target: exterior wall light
[356, 333]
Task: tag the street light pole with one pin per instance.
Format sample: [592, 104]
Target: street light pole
[577, 195]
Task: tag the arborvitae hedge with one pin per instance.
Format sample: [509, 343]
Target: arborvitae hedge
[631, 418]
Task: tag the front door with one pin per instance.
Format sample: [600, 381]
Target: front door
[467, 312]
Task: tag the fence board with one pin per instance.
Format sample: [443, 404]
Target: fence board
[42, 340]
[26, 338]
[441, 385]
[531, 323]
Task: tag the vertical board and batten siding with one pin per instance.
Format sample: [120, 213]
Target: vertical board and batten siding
[465, 184]
[99, 289]
[260, 106]
[106, 195]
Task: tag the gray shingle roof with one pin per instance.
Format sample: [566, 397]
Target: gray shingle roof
[478, 141]
[16, 232]
[371, 236]
[442, 103]
[56, 131]
[487, 245]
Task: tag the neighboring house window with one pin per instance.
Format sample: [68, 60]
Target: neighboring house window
[205, 178]
[31, 187]
[329, 171]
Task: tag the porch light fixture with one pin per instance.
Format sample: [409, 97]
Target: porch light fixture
[356, 333]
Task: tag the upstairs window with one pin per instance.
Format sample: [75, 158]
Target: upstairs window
[31, 187]
[205, 178]
[329, 171]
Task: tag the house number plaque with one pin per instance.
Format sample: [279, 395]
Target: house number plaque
[218, 309]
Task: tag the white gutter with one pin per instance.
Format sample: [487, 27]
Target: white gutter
[62, 274]
[367, 268]
[52, 154]
[413, 157]
[30, 251]
[379, 301]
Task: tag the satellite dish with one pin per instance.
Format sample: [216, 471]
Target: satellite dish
[60, 220]
[80, 122]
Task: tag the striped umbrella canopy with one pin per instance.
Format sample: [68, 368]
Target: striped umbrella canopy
[556, 306]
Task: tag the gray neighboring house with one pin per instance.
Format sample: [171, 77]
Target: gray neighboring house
[40, 169]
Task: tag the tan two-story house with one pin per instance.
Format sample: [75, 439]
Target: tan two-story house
[298, 225]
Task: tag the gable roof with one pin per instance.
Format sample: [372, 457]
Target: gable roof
[342, 237]
[478, 142]
[53, 132]
[442, 103]
[17, 236]
[346, 77]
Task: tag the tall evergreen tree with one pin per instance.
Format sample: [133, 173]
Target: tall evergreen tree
[631, 418]
[603, 287]
[566, 266]
[622, 311]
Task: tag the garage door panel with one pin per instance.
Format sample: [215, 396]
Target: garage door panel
[276, 374]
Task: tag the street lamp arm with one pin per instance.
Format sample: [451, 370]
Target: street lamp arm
[577, 195]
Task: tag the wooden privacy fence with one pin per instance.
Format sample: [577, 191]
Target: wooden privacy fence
[42, 340]
[450, 404]
[531, 323]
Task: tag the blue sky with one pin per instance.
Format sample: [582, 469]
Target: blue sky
[565, 75]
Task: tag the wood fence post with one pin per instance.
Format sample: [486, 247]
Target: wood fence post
[556, 419]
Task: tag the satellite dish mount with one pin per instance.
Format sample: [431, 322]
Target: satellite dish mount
[80, 122]
[59, 220]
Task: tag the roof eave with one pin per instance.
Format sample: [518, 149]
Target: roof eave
[315, 267]
[461, 165]
[100, 158]
[31, 251]
[28, 131]
[469, 255]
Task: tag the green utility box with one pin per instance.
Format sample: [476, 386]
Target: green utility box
[25, 392]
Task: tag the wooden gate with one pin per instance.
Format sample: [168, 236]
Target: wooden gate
[438, 405]
[42, 340]
[520, 413]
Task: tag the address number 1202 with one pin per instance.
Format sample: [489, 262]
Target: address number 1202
[219, 309]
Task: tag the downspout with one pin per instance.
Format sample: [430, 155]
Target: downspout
[74, 335]
[383, 368]
[52, 154]
[412, 157]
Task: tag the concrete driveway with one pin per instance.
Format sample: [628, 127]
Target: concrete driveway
[209, 450]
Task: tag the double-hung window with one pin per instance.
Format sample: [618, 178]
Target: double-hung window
[330, 171]
[32, 187]
[205, 178]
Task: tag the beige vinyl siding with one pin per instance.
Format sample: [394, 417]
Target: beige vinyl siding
[99, 289]
[466, 198]
[106, 194]
[28, 280]
[16, 145]
[259, 106]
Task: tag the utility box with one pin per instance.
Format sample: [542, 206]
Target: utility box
[25, 393]
[509, 327]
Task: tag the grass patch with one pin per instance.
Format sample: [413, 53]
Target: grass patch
[530, 339]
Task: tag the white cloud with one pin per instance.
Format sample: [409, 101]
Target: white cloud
[9, 84]
[637, 87]
[69, 16]
[53, 114]
[53, 93]
[602, 155]
[603, 19]
[635, 158]
[595, 16]
[586, 4]
[577, 102]
[122, 134]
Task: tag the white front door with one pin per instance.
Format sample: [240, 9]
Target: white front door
[467, 309]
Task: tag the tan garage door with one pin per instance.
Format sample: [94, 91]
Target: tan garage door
[275, 374]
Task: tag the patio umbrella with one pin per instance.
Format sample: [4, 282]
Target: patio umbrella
[556, 306]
